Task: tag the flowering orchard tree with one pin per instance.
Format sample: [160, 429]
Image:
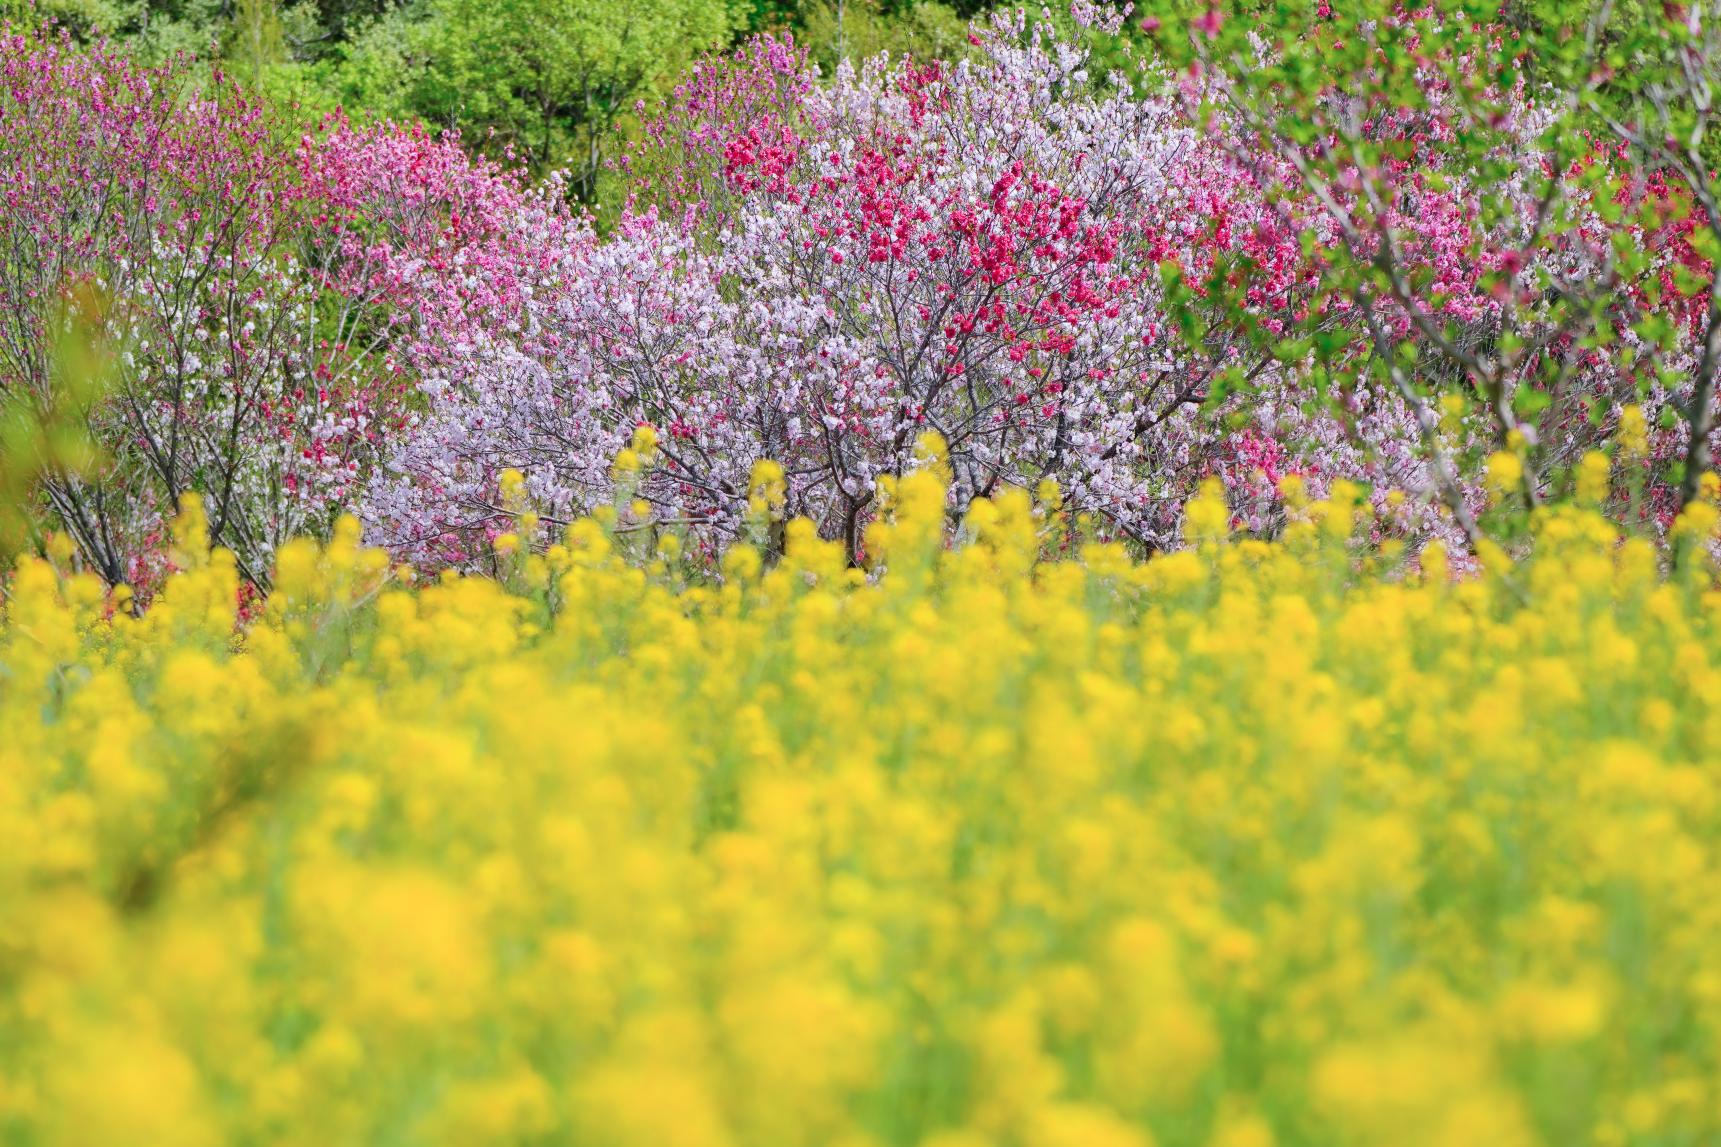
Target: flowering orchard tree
[735, 123]
[996, 250]
[1657, 96]
[265, 301]
[419, 249]
[428, 266]
[1480, 241]
[166, 201]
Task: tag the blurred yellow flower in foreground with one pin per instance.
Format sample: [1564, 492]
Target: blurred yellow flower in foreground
[1253, 845]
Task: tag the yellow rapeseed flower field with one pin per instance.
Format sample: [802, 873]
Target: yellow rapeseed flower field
[1253, 844]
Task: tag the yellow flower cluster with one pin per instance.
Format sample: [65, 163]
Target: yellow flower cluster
[1254, 844]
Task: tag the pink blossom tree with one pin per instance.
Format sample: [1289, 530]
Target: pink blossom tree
[1476, 237]
[269, 303]
[166, 200]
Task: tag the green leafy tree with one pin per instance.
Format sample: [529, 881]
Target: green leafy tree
[548, 79]
[256, 41]
[859, 29]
